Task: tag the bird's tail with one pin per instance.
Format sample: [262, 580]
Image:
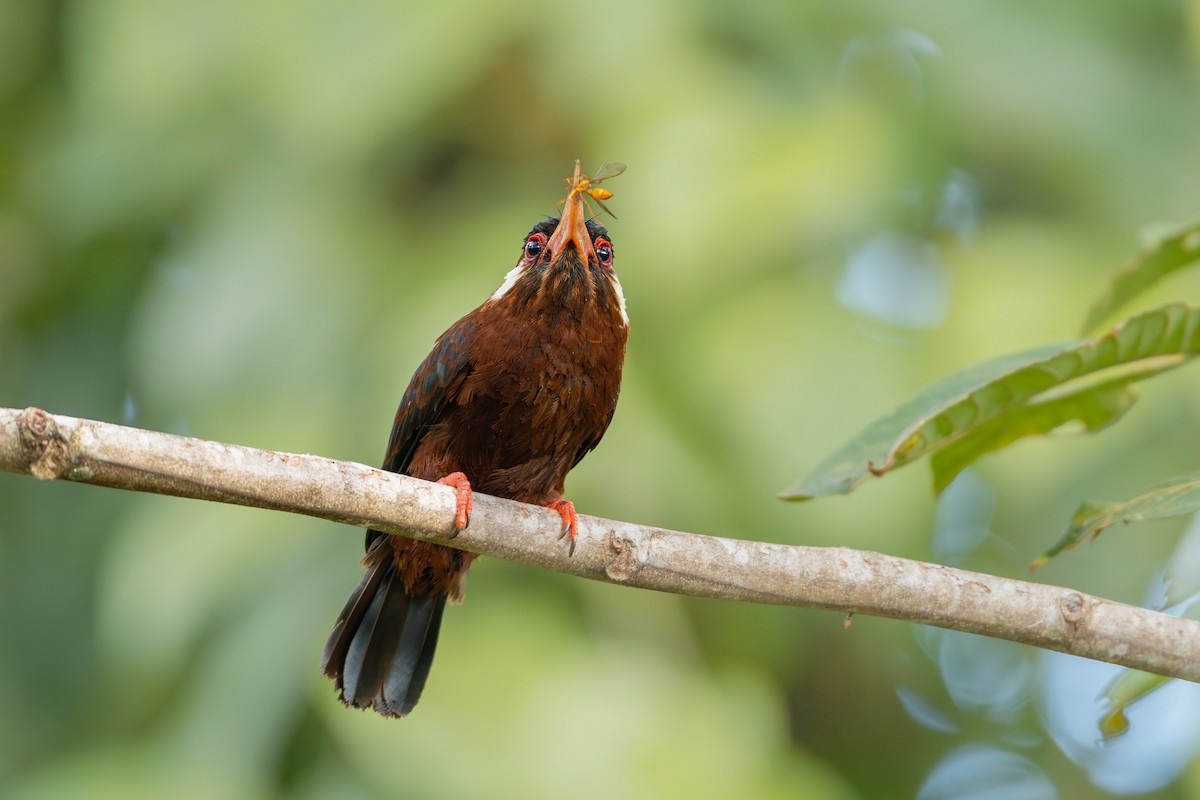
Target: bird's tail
[382, 645]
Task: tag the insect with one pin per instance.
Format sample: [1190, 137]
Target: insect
[583, 184]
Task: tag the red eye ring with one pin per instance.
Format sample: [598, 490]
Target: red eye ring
[604, 252]
[534, 246]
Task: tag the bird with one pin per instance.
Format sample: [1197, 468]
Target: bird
[512, 397]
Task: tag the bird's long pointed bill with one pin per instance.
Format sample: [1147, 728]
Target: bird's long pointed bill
[571, 227]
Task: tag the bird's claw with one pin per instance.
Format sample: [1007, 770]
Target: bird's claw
[570, 526]
[462, 512]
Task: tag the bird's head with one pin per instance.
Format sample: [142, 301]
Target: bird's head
[566, 261]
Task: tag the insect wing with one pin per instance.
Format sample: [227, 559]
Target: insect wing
[609, 169]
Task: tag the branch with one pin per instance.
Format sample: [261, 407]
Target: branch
[50, 447]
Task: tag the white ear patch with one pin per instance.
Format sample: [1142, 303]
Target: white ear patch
[616, 284]
[510, 280]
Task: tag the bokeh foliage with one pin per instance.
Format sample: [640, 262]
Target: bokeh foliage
[249, 221]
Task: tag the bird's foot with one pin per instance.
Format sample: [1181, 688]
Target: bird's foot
[463, 508]
[566, 510]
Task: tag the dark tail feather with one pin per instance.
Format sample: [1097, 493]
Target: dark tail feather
[382, 646]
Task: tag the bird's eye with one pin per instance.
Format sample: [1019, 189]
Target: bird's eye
[534, 246]
[604, 252]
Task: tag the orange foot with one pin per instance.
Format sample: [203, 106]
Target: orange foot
[459, 481]
[566, 510]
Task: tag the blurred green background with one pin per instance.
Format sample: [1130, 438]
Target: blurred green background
[249, 221]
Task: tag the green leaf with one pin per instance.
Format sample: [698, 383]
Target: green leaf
[1173, 498]
[1095, 408]
[1160, 259]
[1129, 687]
[990, 405]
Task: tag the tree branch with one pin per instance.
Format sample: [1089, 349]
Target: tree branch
[52, 447]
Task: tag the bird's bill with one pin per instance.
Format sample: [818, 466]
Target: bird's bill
[572, 228]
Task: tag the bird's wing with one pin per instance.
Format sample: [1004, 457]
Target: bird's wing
[592, 441]
[435, 381]
[433, 384]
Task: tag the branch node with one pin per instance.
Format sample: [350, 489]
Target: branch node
[622, 561]
[1074, 608]
[45, 448]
